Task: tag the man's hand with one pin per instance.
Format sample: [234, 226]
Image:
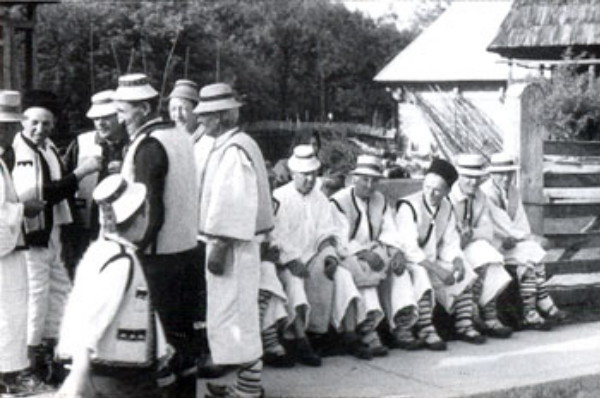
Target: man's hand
[374, 261]
[509, 243]
[217, 252]
[298, 269]
[466, 234]
[330, 241]
[458, 269]
[398, 263]
[269, 253]
[447, 277]
[331, 264]
[114, 166]
[32, 207]
[88, 166]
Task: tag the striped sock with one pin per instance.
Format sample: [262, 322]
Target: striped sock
[424, 323]
[248, 381]
[540, 279]
[366, 330]
[463, 311]
[528, 290]
[489, 311]
[270, 338]
[477, 287]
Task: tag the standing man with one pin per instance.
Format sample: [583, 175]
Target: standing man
[13, 267]
[235, 213]
[108, 141]
[38, 174]
[476, 232]
[427, 220]
[375, 245]
[182, 101]
[520, 248]
[160, 156]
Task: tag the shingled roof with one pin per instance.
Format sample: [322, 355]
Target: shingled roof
[544, 29]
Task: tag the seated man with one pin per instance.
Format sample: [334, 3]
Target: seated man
[476, 233]
[375, 246]
[320, 293]
[111, 330]
[427, 221]
[513, 238]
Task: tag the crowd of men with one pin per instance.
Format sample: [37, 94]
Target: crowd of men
[187, 254]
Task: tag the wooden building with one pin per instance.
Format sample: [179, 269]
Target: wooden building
[18, 67]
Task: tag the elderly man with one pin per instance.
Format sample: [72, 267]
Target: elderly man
[311, 238]
[108, 141]
[476, 231]
[375, 244]
[513, 238]
[428, 222]
[235, 213]
[13, 268]
[161, 157]
[38, 174]
[182, 101]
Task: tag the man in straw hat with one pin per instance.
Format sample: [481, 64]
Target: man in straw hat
[311, 237]
[235, 214]
[521, 249]
[39, 174]
[376, 246]
[182, 101]
[427, 222]
[476, 231]
[107, 140]
[110, 330]
[161, 157]
[13, 268]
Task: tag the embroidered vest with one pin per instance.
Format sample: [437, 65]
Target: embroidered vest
[429, 225]
[345, 201]
[178, 232]
[130, 340]
[87, 146]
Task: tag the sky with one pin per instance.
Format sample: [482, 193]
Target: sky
[405, 9]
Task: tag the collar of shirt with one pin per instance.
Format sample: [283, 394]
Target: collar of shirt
[143, 127]
[223, 138]
[121, 141]
[119, 239]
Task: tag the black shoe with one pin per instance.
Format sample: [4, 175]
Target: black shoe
[278, 361]
[497, 330]
[360, 351]
[558, 317]
[225, 391]
[208, 370]
[471, 336]
[306, 355]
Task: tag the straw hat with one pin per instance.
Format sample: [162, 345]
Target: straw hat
[102, 105]
[368, 165]
[216, 97]
[444, 169]
[185, 89]
[10, 106]
[304, 160]
[470, 165]
[503, 162]
[118, 198]
[134, 87]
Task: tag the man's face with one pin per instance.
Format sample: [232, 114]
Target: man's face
[209, 122]
[304, 182]
[107, 126]
[132, 114]
[469, 184]
[38, 124]
[180, 112]
[504, 180]
[435, 189]
[364, 186]
[7, 133]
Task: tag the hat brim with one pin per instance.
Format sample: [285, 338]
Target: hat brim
[471, 172]
[11, 117]
[502, 169]
[303, 165]
[216, 106]
[131, 200]
[133, 94]
[103, 110]
[366, 172]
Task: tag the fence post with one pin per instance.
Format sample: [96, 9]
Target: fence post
[532, 136]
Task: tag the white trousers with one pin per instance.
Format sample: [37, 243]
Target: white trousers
[49, 287]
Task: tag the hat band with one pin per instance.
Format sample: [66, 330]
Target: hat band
[309, 156]
[505, 163]
[9, 109]
[216, 97]
[371, 166]
[134, 83]
[115, 195]
[480, 167]
[102, 102]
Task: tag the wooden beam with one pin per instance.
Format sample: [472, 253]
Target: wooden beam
[572, 148]
[572, 267]
[567, 210]
[578, 240]
[571, 180]
[572, 195]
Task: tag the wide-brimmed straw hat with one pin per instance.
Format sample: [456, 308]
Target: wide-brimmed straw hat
[10, 106]
[444, 169]
[102, 105]
[503, 162]
[185, 89]
[304, 159]
[216, 97]
[134, 87]
[119, 197]
[368, 165]
[471, 165]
